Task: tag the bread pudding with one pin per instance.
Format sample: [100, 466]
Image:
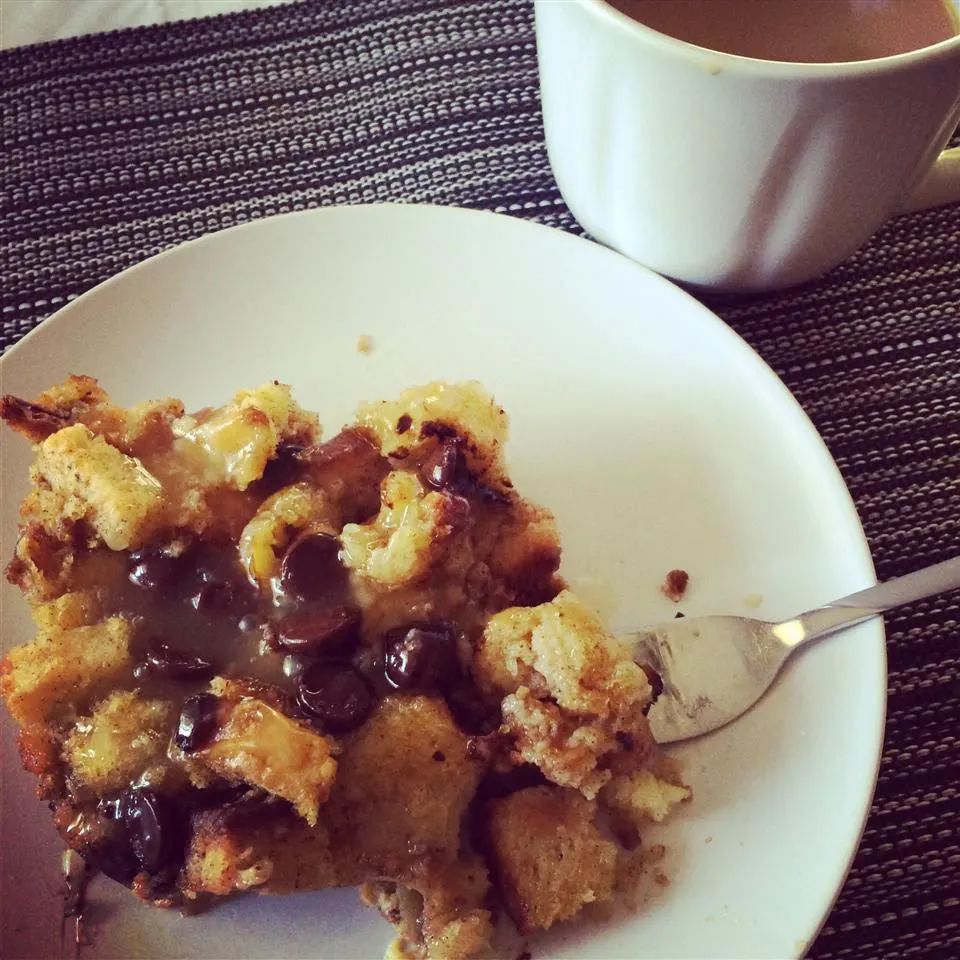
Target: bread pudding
[267, 661]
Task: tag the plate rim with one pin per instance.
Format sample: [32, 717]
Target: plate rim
[738, 343]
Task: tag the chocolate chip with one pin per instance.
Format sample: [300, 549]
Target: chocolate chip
[446, 468]
[295, 665]
[324, 630]
[153, 825]
[311, 568]
[155, 572]
[144, 833]
[284, 468]
[166, 662]
[404, 422]
[335, 694]
[439, 756]
[436, 428]
[199, 722]
[420, 655]
[219, 596]
[115, 859]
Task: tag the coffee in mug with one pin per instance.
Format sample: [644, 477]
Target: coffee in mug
[800, 31]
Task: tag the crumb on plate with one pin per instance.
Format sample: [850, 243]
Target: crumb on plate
[675, 585]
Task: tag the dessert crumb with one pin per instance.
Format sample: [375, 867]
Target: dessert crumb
[708, 840]
[753, 600]
[661, 879]
[675, 585]
[364, 343]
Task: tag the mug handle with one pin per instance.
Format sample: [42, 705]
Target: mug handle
[941, 185]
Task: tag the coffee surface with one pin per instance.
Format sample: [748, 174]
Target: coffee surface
[800, 31]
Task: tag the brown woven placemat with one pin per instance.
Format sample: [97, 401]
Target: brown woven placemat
[120, 145]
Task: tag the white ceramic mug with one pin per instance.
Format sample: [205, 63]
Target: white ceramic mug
[732, 173]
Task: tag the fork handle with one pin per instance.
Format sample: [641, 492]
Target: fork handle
[928, 582]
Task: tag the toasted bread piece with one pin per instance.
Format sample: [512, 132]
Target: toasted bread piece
[93, 481]
[62, 670]
[240, 438]
[404, 783]
[548, 855]
[225, 858]
[409, 535]
[574, 697]
[124, 739]
[259, 745]
[561, 649]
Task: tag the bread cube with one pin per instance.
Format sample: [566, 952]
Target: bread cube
[56, 408]
[404, 783]
[455, 921]
[226, 857]
[561, 649]
[61, 670]
[549, 856]
[575, 697]
[409, 536]
[115, 493]
[258, 744]
[259, 845]
[123, 740]
[438, 912]
[239, 438]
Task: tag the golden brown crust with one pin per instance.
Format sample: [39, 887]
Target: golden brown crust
[548, 855]
[62, 670]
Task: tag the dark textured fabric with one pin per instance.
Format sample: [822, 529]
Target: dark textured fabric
[120, 145]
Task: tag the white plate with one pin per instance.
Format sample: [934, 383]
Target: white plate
[655, 434]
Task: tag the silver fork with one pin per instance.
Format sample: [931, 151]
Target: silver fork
[715, 668]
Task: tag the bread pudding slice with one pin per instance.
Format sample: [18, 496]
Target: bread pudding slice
[268, 661]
